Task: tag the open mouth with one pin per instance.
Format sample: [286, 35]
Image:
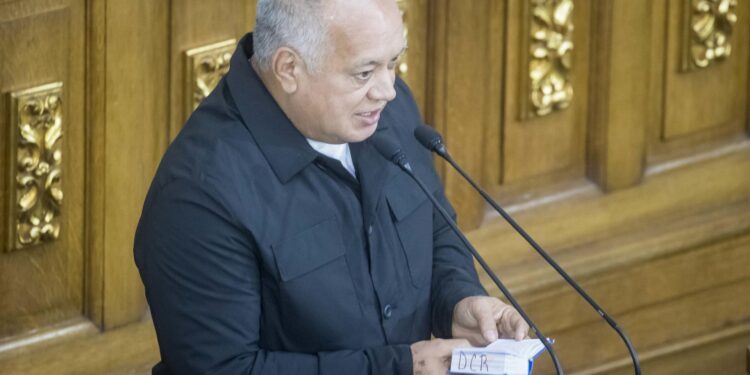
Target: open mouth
[370, 118]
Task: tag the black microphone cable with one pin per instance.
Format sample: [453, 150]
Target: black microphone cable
[431, 139]
[391, 151]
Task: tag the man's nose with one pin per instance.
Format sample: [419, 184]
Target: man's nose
[383, 89]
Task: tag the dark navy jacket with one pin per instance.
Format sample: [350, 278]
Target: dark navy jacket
[261, 256]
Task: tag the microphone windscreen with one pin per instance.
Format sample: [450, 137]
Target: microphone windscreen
[428, 137]
[386, 145]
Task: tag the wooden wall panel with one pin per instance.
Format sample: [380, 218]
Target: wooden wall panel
[667, 284]
[707, 98]
[650, 326]
[250, 14]
[698, 293]
[136, 120]
[556, 142]
[413, 66]
[699, 107]
[715, 353]
[593, 218]
[137, 102]
[41, 285]
[464, 102]
[620, 75]
[128, 351]
[658, 239]
[195, 24]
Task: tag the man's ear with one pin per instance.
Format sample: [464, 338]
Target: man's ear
[287, 67]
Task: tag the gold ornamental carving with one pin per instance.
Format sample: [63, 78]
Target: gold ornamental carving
[36, 165]
[548, 50]
[403, 65]
[205, 67]
[708, 32]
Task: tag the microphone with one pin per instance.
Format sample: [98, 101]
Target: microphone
[431, 139]
[391, 150]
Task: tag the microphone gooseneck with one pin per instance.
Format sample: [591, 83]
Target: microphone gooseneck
[431, 139]
[391, 151]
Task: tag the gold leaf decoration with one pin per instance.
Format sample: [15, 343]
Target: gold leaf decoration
[205, 67]
[550, 52]
[708, 32]
[37, 194]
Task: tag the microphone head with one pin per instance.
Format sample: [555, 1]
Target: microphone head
[386, 145]
[389, 148]
[429, 138]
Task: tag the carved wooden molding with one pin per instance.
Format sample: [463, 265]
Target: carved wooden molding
[205, 67]
[548, 48]
[36, 165]
[708, 26]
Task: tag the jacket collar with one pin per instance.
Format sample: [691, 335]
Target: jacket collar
[281, 143]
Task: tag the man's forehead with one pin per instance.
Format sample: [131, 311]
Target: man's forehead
[353, 15]
[367, 32]
[344, 4]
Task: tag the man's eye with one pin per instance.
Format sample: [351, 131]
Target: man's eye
[364, 76]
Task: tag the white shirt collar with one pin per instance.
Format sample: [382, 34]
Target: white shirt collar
[339, 152]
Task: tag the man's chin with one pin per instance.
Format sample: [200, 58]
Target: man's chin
[362, 135]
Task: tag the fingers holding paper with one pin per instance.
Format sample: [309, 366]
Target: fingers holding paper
[434, 356]
[482, 320]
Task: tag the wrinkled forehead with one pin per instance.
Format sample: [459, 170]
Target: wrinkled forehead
[365, 29]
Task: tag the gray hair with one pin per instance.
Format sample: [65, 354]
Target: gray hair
[297, 24]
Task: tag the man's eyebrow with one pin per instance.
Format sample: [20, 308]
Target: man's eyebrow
[374, 62]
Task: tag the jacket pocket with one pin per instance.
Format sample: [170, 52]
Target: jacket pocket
[315, 296]
[308, 250]
[412, 215]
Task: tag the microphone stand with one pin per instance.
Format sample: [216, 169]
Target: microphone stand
[399, 159]
[440, 149]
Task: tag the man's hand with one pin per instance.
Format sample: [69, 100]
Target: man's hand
[434, 356]
[482, 320]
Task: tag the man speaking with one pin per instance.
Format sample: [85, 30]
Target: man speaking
[276, 240]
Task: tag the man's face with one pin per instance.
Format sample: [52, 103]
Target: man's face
[342, 101]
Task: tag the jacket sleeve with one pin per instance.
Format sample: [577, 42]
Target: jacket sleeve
[453, 274]
[203, 286]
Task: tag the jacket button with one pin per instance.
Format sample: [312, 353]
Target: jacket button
[387, 311]
[369, 229]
